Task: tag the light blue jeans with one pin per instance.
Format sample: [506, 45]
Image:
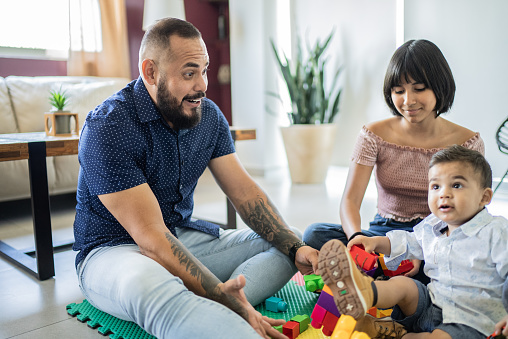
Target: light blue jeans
[119, 280]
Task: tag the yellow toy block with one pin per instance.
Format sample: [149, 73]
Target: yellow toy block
[359, 335]
[344, 328]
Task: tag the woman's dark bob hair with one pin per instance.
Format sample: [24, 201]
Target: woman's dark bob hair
[422, 61]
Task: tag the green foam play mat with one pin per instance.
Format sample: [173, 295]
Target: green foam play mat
[299, 300]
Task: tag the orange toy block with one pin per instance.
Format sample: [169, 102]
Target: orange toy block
[375, 312]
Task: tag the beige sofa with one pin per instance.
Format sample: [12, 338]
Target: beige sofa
[23, 101]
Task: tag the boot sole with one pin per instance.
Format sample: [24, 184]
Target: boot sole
[336, 268]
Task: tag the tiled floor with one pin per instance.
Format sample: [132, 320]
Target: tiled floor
[33, 309]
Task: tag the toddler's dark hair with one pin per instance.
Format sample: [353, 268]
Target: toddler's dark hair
[465, 155]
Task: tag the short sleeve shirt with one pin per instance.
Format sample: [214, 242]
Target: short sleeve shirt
[401, 173]
[124, 143]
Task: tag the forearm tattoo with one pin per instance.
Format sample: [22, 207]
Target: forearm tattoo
[205, 279]
[264, 219]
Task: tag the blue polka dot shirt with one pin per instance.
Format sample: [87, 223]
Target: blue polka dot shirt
[124, 143]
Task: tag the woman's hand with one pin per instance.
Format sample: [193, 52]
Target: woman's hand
[261, 324]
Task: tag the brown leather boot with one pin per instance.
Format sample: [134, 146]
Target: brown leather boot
[380, 328]
[351, 288]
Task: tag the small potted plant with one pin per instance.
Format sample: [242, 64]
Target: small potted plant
[59, 117]
[310, 137]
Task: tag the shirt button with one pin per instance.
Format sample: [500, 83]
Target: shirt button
[181, 186]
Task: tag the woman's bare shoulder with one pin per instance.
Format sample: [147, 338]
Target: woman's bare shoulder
[382, 128]
[459, 133]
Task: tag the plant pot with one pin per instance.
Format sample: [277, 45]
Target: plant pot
[58, 123]
[309, 151]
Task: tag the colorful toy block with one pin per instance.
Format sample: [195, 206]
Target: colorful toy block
[303, 320]
[405, 266]
[291, 329]
[278, 328]
[359, 335]
[375, 312]
[313, 282]
[344, 328]
[276, 304]
[364, 260]
[494, 336]
[329, 322]
[317, 316]
[326, 301]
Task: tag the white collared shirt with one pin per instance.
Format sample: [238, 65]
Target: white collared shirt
[467, 268]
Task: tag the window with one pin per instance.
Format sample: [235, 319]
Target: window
[46, 29]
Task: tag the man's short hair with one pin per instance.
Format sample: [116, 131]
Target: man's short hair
[156, 39]
[423, 61]
[468, 156]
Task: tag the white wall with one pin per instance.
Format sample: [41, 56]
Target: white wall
[473, 37]
[253, 74]
[471, 34]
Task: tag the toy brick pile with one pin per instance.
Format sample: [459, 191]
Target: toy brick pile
[325, 315]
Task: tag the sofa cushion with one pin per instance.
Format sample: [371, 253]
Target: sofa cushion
[7, 118]
[30, 96]
[85, 97]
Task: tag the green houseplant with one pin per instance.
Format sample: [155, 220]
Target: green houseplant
[305, 80]
[58, 99]
[60, 118]
[310, 137]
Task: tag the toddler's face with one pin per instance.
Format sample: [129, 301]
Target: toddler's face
[455, 193]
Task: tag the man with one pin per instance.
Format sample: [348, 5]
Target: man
[141, 257]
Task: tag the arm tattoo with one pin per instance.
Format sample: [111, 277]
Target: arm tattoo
[264, 219]
[208, 282]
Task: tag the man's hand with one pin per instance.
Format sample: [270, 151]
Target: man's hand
[263, 325]
[306, 260]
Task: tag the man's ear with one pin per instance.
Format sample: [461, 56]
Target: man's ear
[487, 196]
[149, 70]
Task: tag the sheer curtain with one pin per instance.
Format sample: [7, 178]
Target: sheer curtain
[98, 36]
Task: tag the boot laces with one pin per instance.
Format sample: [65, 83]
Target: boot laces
[389, 332]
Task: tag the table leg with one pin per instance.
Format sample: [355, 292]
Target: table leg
[41, 210]
[42, 266]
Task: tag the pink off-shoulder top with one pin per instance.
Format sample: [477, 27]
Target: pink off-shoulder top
[400, 173]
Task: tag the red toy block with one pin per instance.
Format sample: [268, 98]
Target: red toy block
[405, 266]
[364, 260]
[317, 316]
[291, 329]
[329, 323]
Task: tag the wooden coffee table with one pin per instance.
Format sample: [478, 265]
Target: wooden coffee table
[35, 147]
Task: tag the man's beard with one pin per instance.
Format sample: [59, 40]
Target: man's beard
[173, 112]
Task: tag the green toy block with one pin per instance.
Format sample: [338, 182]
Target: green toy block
[278, 328]
[313, 282]
[304, 321]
